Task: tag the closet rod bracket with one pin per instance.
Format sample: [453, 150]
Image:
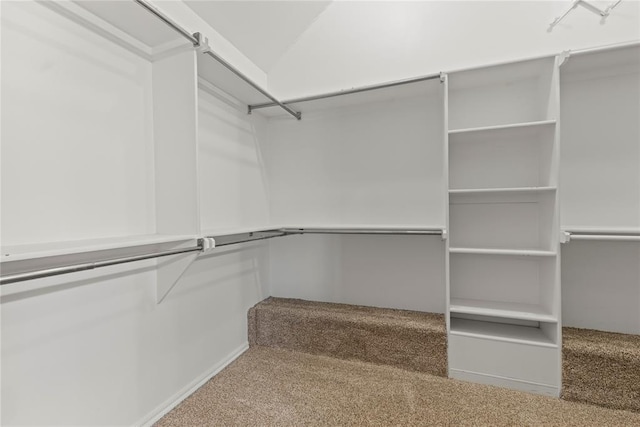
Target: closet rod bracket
[199, 40]
[563, 57]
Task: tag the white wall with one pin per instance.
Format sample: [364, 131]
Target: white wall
[601, 286]
[233, 182]
[404, 272]
[354, 43]
[367, 160]
[94, 348]
[77, 145]
[370, 163]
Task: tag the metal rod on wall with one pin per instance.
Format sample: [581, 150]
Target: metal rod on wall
[630, 237]
[373, 231]
[249, 236]
[168, 21]
[349, 91]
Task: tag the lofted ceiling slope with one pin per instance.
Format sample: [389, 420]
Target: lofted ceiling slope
[262, 30]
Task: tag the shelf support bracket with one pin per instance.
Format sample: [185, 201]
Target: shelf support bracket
[565, 237]
[170, 270]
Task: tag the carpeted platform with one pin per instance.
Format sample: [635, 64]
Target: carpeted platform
[273, 387]
[406, 339]
[601, 368]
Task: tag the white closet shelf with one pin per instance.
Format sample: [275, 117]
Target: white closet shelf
[501, 309]
[488, 129]
[513, 190]
[131, 24]
[518, 252]
[501, 332]
[50, 249]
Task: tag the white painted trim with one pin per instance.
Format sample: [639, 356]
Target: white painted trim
[511, 383]
[165, 407]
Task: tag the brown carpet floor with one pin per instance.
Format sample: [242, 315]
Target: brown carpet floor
[411, 340]
[274, 387]
[601, 368]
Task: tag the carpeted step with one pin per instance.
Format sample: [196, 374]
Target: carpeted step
[410, 340]
[601, 368]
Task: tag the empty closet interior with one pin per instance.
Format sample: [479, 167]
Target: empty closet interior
[505, 197]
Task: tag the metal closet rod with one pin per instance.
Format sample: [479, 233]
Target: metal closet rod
[384, 231]
[186, 34]
[195, 40]
[250, 236]
[604, 235]
[348, 91]
[55, 271]
[247, 236]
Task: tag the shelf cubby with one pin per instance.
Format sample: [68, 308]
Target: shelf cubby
[520, 92]
[508, 286]
[541, 334]
[505, 157]
[502, 221]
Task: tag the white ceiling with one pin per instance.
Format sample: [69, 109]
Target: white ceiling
[261, 29]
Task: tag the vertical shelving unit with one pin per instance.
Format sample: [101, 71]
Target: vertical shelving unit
[503, 270]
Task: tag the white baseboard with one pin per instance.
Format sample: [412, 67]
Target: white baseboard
[511, 383]
[177, 398]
